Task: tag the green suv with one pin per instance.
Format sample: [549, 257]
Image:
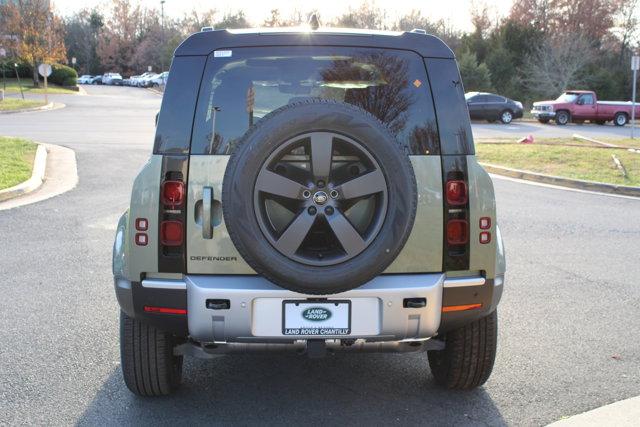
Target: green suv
[310, 192]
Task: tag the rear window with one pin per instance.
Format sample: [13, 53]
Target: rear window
[241, 86]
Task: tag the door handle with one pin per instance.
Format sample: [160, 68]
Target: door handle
[207, 205]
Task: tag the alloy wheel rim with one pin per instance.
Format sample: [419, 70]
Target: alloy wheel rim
[320, 198]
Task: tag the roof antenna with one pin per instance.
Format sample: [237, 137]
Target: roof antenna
[314, 23]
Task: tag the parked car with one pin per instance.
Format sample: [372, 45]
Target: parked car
[84, 79]
[304, 218]
[492, 107]
[160, 79]
[147, 81]
[580, 105]
[137, 81]
[114, 79]
[95, 80]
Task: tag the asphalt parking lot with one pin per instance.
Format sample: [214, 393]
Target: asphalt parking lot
[568, 320]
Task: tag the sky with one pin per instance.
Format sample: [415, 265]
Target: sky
[456, 12]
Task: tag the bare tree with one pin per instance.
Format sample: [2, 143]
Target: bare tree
[556, 65]
[367, 16]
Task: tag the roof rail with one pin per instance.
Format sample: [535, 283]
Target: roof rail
[203, 29]
[418, 31]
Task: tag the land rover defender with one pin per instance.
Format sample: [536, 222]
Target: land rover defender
[314, 192]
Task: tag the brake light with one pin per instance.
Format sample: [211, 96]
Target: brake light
[456, 192]
[171, 233]
[173, 193]
[457, 232]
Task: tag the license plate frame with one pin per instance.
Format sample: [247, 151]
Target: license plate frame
[312, 330]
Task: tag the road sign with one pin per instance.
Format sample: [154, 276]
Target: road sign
[149, 68]
[44, 70]
[635, 63]
[73, 60]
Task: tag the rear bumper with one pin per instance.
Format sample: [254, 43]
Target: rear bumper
[255, 311]
[255, 306]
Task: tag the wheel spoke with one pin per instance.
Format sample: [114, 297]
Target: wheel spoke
[370, 183]
[272, 183]
[292, 238]
[349, 238]
[321, 150]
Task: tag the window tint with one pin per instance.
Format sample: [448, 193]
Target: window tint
[451, 109]
[246, 84]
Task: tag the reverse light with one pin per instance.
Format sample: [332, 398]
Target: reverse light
[485, 237]
[141, 239]
[485, 223]
[456, 191]
[457, 232]
[173, 193]
[171, 233]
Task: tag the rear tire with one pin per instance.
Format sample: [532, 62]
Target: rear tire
[148, 364]
[467, 360]
[620, 119]
[562, 118]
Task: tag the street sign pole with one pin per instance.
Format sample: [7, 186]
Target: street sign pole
[15, 65]
[635, 65]
[45, 71]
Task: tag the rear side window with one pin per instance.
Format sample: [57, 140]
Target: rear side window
[243, 85]
[495, 98]
[453, 116]
[173, 132]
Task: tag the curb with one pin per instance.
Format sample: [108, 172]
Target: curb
[37, 177]
[622, 413]
[600, 187]
[49, 106]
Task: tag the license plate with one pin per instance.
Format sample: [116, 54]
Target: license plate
[304, 317]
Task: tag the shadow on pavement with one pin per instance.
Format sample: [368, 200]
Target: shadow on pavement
[289, 389]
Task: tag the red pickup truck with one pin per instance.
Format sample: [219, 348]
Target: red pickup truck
[580, 105]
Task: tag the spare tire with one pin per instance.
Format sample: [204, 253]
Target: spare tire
[319, 197]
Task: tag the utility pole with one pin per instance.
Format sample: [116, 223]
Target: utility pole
[635, 65]
[162, 49]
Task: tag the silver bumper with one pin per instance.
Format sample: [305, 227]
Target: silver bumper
[255, 308]
[543, 114]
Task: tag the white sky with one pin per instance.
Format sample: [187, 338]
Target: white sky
[457, 12]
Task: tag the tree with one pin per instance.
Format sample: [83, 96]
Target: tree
[558, 64]
[39, 33]
[81, 38]
[117, 44]
[233, 20]
[367, 16]
[475, 77]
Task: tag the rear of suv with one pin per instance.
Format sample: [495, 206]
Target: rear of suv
[310, 192]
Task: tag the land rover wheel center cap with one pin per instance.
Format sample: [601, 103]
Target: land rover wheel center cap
[320, 197]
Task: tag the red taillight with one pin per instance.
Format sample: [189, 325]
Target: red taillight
[485, 237]
[457, 232]
[173, 193]
[456, 193]
[171, 233]
[164, 310]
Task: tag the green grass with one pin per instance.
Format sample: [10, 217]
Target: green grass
[27, 87]
[10, 104]
[592, 164]
[16, 160]
[622, 142]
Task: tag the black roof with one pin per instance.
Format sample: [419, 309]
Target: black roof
[205, 42]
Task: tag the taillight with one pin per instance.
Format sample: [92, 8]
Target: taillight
[142, 239]
[457, 232]
[485, 223]
[173, 193]
[456, 192]
[485, 237]
[171, 233]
